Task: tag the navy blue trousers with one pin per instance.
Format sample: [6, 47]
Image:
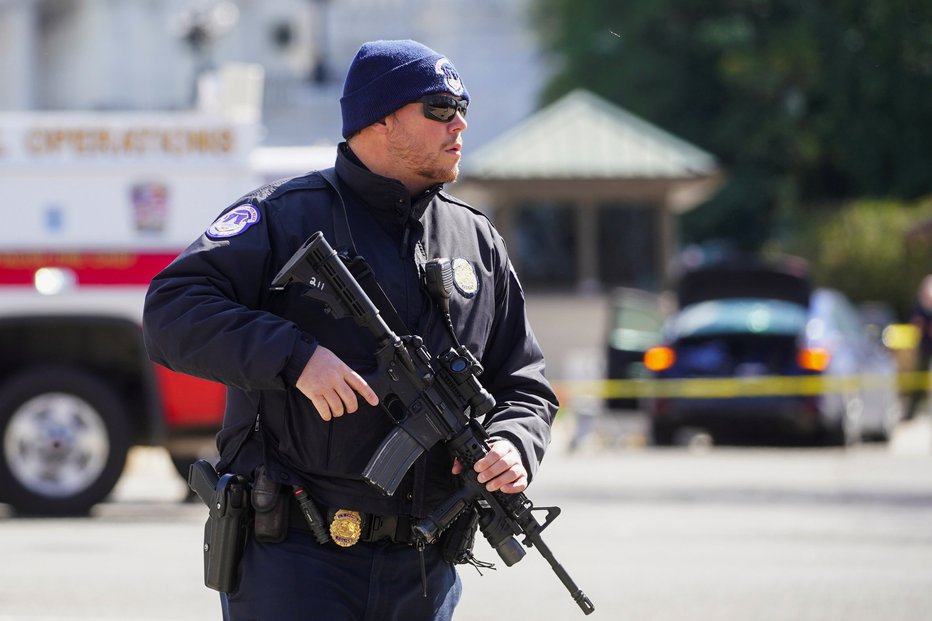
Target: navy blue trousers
[301, 580]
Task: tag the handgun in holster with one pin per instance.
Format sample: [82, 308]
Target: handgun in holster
[227, 498]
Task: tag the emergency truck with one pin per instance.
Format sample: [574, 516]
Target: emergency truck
[94, 205]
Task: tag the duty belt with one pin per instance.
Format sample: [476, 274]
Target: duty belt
[348, 527]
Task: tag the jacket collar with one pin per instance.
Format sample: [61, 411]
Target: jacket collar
[387, 198]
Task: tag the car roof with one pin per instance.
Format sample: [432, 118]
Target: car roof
[744, 278]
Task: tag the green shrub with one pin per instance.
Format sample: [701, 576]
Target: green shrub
[868, 249]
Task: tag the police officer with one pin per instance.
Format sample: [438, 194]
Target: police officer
[299, 412]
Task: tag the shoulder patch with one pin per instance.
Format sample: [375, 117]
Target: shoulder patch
[234, 222]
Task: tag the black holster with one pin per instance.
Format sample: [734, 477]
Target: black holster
[227, 498]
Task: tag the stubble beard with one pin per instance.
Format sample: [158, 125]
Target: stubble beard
[412, 155]
[441, 174]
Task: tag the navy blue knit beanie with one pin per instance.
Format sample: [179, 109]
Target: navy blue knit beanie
[386, 75]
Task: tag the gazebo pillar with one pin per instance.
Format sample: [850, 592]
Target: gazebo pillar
[587, 247]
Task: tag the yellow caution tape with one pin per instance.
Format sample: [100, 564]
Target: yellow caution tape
[754, 386]
[900, 336]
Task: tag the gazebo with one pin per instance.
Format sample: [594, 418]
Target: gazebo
[618, 182]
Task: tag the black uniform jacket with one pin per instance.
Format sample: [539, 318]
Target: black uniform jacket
[212, 314]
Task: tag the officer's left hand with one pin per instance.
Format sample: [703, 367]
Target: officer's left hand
[501, 469]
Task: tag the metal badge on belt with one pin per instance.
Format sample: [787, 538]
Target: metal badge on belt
[346, 527]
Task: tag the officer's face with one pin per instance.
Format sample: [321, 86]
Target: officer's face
[426, 151]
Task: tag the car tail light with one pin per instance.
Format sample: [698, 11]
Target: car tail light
[813, 358]
[659, 358]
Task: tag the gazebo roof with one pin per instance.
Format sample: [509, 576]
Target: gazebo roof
[583, 136]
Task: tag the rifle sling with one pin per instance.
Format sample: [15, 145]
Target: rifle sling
[343, 240]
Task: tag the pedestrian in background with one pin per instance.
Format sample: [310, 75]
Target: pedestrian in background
[921, 318]
[298, 411]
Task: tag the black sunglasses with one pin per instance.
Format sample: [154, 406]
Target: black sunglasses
[443, 108]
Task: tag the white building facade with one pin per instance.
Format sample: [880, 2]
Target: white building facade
[145, 54]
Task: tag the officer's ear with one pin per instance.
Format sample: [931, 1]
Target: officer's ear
[381, 126]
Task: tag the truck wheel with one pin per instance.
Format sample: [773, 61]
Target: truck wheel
[64, 437]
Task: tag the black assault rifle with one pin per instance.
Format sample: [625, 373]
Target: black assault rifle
[430, 401]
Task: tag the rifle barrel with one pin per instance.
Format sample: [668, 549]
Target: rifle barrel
[575, 592]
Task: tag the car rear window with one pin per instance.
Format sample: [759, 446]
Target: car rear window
[636, 329]
[738, 316]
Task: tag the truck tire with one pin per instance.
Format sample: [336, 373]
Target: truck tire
[64, 437]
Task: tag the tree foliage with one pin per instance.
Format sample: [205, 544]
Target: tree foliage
[871, 249]
[804, 103]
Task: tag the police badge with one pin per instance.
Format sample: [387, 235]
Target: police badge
[464, 277]
[346, 527]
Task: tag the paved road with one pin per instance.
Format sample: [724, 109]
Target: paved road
[676, 534]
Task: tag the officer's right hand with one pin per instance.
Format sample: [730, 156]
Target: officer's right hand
[332, 386]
